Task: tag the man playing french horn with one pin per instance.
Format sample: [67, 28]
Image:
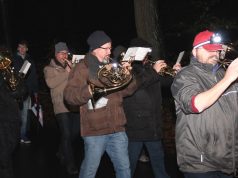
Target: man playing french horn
[102, 124]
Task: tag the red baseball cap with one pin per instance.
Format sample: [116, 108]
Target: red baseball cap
[204, 39]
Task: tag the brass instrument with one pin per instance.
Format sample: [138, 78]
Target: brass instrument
[165, 70]
[8, 71]
[113, 77]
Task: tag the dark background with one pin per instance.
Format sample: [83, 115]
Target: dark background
[44, 22]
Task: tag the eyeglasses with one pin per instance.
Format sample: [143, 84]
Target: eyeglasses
[108, 48]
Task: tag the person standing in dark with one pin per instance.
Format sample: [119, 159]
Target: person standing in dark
[56, 76]
[31, 81]
[144, 114]
[9, 122]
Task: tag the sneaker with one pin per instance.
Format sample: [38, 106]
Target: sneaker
[26, 141]
[143, 158]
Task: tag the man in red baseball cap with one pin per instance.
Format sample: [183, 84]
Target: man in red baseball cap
[206, 99]
[208, 41]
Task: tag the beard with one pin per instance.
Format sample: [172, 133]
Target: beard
[106, 60]
[214, 57]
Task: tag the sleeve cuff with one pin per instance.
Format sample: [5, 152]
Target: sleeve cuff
[194, 109]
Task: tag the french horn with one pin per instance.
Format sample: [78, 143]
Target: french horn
[113, 77]
[7, 70]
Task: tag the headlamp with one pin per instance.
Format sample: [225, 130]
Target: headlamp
[214, 39]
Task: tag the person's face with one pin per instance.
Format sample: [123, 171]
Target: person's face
[103, 52]
[22, 49]
[206, 57]
[61, 56]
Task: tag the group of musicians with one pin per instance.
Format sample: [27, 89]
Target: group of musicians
[205, 96]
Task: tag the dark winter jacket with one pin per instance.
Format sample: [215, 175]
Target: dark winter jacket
[144, 108]
[31, 78]
[206, 141]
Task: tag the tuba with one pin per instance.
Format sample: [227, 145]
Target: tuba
[7, 71]
[113, 77]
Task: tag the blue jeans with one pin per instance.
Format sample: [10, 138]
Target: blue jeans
[24, 116]
[156, 154]
[116, 146]
[212, 174]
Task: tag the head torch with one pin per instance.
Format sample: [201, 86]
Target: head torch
[214, 39]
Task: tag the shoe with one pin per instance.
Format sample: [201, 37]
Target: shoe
[61, 158]
[143, 158]
[72, 170]
[26, 141]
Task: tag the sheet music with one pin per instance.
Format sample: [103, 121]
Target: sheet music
[25, 67]
[180, 56]
[76, 58]
[136, 53]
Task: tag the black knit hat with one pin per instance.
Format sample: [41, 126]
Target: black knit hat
[97, 39]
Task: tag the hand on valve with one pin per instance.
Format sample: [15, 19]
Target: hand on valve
[158, 65]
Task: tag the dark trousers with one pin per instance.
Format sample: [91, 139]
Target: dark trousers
[156, 153]
[69, 126]
[9, 138]
[212, 174]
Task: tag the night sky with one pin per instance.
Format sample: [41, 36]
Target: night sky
[44, 22]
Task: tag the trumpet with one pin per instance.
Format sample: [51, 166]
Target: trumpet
[227, 55]
[165, 71]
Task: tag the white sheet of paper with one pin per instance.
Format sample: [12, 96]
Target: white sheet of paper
[102, 102]
[76, 58]
[180, 56]
[136, 53]
[25, 67]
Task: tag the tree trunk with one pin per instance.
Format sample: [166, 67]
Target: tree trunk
[147, 25]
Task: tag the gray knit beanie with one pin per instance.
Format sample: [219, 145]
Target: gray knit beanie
[61, 46]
